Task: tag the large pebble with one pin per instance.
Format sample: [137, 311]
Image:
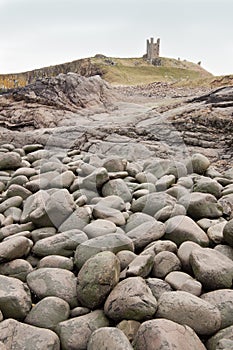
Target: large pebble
[213, 269]
[48, 312]
[75, 332]
[201, 205]
[181, 228]
[165, 262]
[223, 300]
[131, 299]
[146, 233]
[14, 248]
[17, 335]
[63, 243]
[18, 268]
[151, 203]
[97, 277]
[166, 335]
[187, 309]
[113, 242]
[108, 338]
[228, 232]
[222, 340]
[117, 187]
[15, 298]
[9, 160]
[56, 282]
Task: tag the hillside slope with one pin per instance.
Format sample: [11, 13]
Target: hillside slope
[117, 71]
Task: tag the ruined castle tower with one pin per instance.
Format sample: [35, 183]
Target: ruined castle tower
[152, 50]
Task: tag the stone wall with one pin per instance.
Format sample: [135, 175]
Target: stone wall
[83, 67]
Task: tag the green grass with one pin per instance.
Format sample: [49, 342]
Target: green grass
[135, 71]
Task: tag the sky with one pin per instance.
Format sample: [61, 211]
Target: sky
[38, 33]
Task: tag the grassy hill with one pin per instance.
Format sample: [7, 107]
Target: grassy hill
[117, 71]
[134, 71]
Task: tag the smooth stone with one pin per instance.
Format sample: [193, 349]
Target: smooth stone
[96, 180]
[225, 250]
[184, 253]
[115, 164]
[39, 154]
[15, 201]
[223, 300]
[146, 233]
[55, 282]
[97, 277]
[177, 191]
[15, 228]
[48, 312]
[75, 332]
[181, 228]
[228, 232]
[99, 227]
[187, 309]
[79, 311]
[166, 334]
[152, 203]
[58, 261]
[226, 202]
[111, 214]
[201, 205]
[112, 242]
[198, 164]
[117, 187]
[125, 257]
[131, 299]
[222, 337]
[165, 182]
[63, 244]
[182, 281]
[213, 269]
[77, 220]
[168, 212]
[44, 209]
[136, 219]
[18, 268]
[9, 160]
[140, 266]
[14, 248]
[113, 201]
[15, 298]
[17, 335]
[25, 171]
[108, 338]
[207, 185]
[215, 232]
[161, 246]
[18, 190]
[20, 180]
[164, 263]
[32, 147]
[41, 233]
[14, 212]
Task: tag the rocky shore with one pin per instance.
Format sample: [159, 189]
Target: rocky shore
[104, 252]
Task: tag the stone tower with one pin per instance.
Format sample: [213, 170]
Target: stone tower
[152, 50]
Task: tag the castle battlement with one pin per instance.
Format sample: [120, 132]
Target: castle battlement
[152, 50]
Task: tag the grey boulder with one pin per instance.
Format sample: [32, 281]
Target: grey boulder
[15, 298]
[166, 334]
[108, 338]
[187, 309]
[17, 335]
[131, 299]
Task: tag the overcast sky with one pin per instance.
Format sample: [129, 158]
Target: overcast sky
[38, 33]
